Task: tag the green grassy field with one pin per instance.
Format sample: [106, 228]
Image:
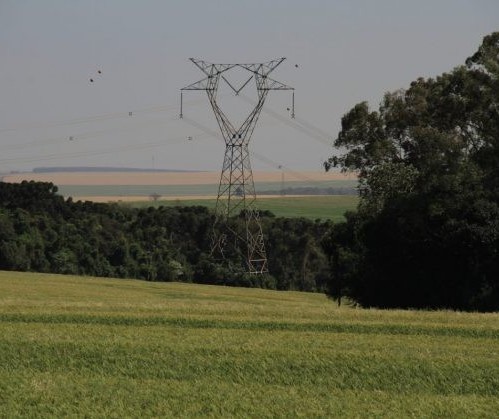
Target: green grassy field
[175, 190]
[327, 207]
[87, 347]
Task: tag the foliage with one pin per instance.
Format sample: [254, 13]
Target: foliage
[427, 230]
[89, 347]
[42, 232]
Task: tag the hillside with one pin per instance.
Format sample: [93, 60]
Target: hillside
[88, 347]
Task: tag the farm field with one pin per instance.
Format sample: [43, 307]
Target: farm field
[126, 186]
[105, 193]
[200, 188]
[169, 178]
[327, 207]
[87, 347]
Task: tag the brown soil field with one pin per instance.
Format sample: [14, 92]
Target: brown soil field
[165, 178]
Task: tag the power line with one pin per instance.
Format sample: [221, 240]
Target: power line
[78, 137]
[298, 124]
[97, 118]
[114, 150]
[303, 126]
[315, 128]
[264, 159]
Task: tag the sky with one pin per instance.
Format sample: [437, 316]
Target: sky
[338, 53]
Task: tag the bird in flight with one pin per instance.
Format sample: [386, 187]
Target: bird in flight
[98, 72]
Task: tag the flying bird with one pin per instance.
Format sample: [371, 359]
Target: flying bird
[98, 72]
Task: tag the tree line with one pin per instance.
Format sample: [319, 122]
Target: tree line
[40, 231]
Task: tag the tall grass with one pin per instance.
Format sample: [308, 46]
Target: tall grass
[87, 347]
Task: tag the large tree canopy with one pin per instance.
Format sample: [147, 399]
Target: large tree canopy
[427, 230]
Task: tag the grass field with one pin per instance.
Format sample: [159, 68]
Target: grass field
[112, 192]
[87, 347]
[327, 207]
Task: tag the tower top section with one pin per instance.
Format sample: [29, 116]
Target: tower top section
[260, 71]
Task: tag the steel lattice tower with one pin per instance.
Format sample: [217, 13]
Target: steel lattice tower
[236, 191]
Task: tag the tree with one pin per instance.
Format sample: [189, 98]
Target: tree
[427, 229]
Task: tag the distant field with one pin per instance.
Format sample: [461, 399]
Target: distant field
[117, 192]
[196, 188]
[329, 207]
[123, 186]
[87, 347]
[170, 178]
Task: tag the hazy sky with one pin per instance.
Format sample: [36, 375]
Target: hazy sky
[346, 51]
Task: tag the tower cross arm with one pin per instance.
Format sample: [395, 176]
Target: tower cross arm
[211, 69]
[203, 84]
[271, 84]
[263, 69]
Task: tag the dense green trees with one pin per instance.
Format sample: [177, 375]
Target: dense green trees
[39, 231]
[427, 230]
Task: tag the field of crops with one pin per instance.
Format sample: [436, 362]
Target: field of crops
[122, 192]
[139, 185]
[327, 207]
[87, 347]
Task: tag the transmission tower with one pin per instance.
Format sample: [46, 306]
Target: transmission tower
[236, 191]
